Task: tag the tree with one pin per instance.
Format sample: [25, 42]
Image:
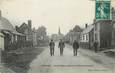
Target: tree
[41, 32]
[77, 29]
[73, 34]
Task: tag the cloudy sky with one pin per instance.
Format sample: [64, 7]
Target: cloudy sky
[50, 13]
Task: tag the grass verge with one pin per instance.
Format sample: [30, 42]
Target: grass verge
[19, 60]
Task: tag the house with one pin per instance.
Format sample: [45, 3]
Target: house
[103, 33]
[31, 34]
[87, 36]
[100, 31]
[9, 32]
[27, 30]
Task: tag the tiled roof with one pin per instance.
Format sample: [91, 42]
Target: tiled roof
[5, 24]
[23, 27]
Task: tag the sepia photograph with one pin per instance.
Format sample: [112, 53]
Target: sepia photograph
[57, 36]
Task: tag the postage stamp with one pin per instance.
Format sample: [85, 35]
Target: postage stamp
[103, 0]
[103, 10]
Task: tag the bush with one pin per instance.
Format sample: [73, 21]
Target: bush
[19, 44]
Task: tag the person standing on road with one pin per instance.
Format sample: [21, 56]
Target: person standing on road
[95, 46]
[75, 47]
[61, 46]
[52, 45]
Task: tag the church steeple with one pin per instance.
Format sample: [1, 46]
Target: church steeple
[59, 32]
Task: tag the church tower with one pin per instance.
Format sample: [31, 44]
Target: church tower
[59, 32]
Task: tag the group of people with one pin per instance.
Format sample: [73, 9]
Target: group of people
[61, 45]
[75, 46]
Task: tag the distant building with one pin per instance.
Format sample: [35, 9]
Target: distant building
[60, 35]
[87, 36]
[57, 37]
[54, 37]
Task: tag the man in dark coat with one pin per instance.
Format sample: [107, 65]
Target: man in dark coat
[61, 46]
[52, 45]
[75, 47]
[95, 46]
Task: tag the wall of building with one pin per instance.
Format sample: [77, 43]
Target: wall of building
[1, 41]
[113, 37]
[103, 33]
[113, 23]
[97, 33]
[85, 37]
[34, 39]
[106, 34]
[113, 14]
[91, 39]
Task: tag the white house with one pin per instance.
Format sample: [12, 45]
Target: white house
[87, 37]
[85, 34]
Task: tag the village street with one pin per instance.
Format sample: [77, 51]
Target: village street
[44, 63]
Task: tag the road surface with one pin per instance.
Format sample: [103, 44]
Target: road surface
[44, 63]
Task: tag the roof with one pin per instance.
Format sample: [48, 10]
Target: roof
[17, 33]
[23, 27]
[5, 24]
[88, 29]
[1, 34]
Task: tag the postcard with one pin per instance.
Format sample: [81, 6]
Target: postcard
[57, 36]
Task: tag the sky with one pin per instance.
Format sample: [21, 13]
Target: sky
[50, 13]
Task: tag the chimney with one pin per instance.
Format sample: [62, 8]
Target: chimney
[86, 25]
[30, 23]
[16, 27]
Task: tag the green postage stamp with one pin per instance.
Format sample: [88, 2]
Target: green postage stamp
[103, 9]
